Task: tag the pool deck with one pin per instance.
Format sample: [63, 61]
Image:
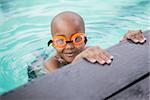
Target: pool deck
[127, 78]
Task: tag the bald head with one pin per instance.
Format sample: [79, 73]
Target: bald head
[67, 22]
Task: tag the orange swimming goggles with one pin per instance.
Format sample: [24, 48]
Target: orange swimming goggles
[61, 41]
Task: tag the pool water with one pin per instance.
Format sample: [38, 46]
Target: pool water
[25, 29]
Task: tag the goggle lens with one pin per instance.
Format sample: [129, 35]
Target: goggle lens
[78, 39]
[59, 41]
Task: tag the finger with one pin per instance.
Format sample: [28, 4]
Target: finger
[100, 60]
[104, 55]
[96, 56]
[139, 37]
[108, 55]
[105, 58]
[90, 59]
[130, 37]
[132, 34]
[134, 39]
[89, 56]
[142, 38]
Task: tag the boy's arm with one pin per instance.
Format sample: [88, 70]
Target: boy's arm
[51, 64]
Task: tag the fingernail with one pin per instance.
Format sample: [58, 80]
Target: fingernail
[108, 61]
[93, 60]
[136, 40]
[103, 61]
[111, 57]
[142, 41]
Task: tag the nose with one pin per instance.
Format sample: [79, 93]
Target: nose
[69, 46]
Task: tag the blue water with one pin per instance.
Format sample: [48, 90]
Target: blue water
[25, 29]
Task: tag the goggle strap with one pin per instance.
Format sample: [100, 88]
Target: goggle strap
[49, 42]
[85, 39]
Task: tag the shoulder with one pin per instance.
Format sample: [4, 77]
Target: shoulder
[51, 64]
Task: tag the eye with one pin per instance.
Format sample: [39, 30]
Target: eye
[59, 41]
[78, 39]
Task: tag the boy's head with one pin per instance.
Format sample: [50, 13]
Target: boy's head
[68, 26]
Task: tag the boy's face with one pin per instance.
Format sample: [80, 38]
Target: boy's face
[70, 51]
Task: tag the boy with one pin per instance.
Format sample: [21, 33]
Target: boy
[69, 40]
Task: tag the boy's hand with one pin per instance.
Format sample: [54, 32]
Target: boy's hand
[95, 54]
[135, 35]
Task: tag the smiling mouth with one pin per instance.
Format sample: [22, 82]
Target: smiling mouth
[71, 54]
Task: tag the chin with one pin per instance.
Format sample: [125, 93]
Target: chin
[69, 59]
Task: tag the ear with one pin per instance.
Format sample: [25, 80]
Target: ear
[85, 41]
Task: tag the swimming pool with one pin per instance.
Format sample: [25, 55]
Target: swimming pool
[25, 29]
